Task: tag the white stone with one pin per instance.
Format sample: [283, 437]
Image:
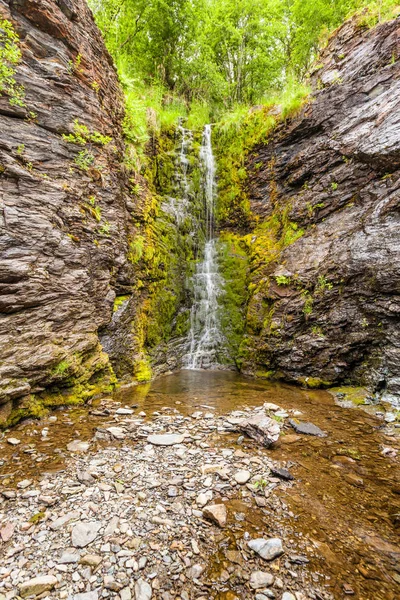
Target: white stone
[166, 439]
[78, 446]
[242, 477]
[13, 441]
[84, 533]
[267, 549]
[260, 579]
[143, 590]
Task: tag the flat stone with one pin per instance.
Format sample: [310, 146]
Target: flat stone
[13, 441]
[85, 596]
[117, 432]
[242, 477]
[24, 484]
[124, 411]
[216, 513]
[37, 585]
[267, 549]
[93, 560]
[84, 534]
[64, 520]
[203, 498]
[306, 428]
[288, 596]
[261, 428]
[78, 446]
[282, 474]
[165, 439]
[261, 579]
[143, 590]
[69, 558]
[7, 532]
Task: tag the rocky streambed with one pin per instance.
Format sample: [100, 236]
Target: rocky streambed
[159, 492]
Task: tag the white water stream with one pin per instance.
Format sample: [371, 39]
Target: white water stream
[205, 337]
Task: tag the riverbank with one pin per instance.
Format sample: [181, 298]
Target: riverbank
[144, 503]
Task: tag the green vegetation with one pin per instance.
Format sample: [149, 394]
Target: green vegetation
[84, 160]
[10, 57]
[82, 135]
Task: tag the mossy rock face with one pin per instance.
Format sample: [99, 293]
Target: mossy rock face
[355, 395]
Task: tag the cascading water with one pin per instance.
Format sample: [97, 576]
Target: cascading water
[205, 337]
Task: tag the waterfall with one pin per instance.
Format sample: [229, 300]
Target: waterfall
[205, 337]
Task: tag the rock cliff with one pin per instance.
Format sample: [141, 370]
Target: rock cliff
[327, 308]
[64, 207]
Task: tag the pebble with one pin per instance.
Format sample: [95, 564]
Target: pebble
[78, 446]
[167, 439]
[143, 590]
[13, 441]
[261, 579]
[24, 484]
[268, 549]
[288, 596]
[216, 513]
[242, 477]
[84, 534]
[37, 585]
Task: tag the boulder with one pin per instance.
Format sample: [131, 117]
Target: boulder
[261, 428]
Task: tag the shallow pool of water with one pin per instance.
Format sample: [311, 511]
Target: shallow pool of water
[344, 505]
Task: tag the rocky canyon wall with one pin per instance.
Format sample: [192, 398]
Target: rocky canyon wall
[65, 212]
[325, 309]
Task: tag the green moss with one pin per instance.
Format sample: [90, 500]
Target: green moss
[119, 301]
[314, 382]
[355, 394]
[264, 374]
[82, 135]
[142, 370]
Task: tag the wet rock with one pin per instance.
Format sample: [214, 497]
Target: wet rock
[167, 439]
[117, 432]
[124, 411]
[260, 579]
[216, 513]
[78, 446]
[84, 534]
[288, 596]
[261, 428]
[25, 483]
[13, 441]
[306, 428]
[282, 474]
[143, 590]
[242, 477]
[353, 479]
[268, 549]
[37, 585]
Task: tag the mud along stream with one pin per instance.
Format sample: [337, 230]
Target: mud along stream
[147, 533]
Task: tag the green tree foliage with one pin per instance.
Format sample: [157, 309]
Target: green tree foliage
[221, 52]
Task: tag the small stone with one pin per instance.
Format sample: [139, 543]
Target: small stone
[124, 411]
[84, 533]
[242, 477]
[306, 428]
[93, 560]
[24, 484]
[37, 585]
[143, 590]
[125, 594]
[78, 446]
[167, 439]
[261, 579]
[85, 596]
[116, 432]
[267, 549]
[353, 479]
[261, 428]
[216, 513]
[69, 558]
[7, 532]
[13, 441]
[288, 596]
[64, 520]
[282, 474]
[195, 571]
[203, 498]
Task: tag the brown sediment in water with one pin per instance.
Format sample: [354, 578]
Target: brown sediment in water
[342, 510]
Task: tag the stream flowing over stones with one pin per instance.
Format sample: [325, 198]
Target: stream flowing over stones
[196, 406]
